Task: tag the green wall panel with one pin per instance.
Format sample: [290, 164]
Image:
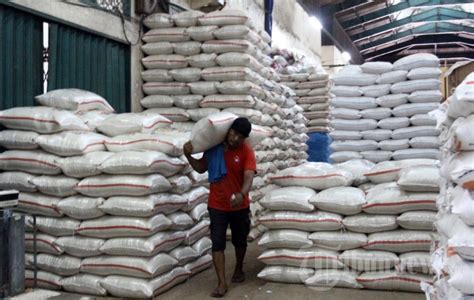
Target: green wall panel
[87, 61]
[21, 58]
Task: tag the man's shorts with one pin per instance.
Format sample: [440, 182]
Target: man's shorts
[239, 222]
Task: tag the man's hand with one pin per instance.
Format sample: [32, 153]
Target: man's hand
[188, 148]
[236, 200]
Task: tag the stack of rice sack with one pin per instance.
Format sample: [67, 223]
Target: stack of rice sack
[353, 225]
[118, 212]
[453, 261]
[200, 64]
[380, 111]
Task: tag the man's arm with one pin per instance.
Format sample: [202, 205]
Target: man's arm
[199, 165]
[238, 198]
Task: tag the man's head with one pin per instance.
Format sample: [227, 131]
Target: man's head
[238, 132]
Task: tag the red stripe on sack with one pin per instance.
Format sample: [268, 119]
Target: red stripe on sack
[200, 198]
[113, 184]
[305, 177]
[30, 160]
[116, 266]
[93, 101]
[29, 119]
[93, 144]
[298, 258]
[168, 162]
[42, 280]
[399, 203]
[382, 172]
[39, 205]
[198, 231]
[389, 278]
[158, 122]
[112, 227]
[167, 241]
[201, 265]
[398, 242]
[169, 282]
[169, 203]
[470, 82]
[44, 241]
[139, 141]
[301, 221]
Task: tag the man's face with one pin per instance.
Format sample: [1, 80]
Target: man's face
[234, 139]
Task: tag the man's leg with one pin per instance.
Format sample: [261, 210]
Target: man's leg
[240, 227]
[219, 223]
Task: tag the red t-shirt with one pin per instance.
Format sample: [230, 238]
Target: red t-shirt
[236, 161]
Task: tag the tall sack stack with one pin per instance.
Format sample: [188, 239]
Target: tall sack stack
[115, 212]
[453, 261]
[201, 64]
[380, 110]
[330, 227]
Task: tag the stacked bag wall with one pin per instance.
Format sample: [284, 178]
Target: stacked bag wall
[380, 111]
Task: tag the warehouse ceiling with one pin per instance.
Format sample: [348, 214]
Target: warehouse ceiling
[386, 30]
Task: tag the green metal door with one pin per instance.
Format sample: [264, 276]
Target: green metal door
[21, 57]
[79, 59]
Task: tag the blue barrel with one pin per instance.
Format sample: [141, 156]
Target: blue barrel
[318, 147]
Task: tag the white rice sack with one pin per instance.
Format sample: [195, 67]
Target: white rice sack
[110, 227]
[56, 226]
[211, 131]
[389, 171]
[72, 143]
[420, 179]
[425, 96]
[31, 161]
[187, 101]
[366, 260]
[201, 33]
[400, 241]
[20, 181]
[224, 17]
[409, 110]
[205, 60]
[392, 100]
[180, 221]
[424, 73]
[422, 120]
[463, 204]
[74, 99]
[338, 240]
[186, 74]
[392, 77]
[362, 124]
[165, 61]
[459, 168]
[225, 101]
[146, 246]
[416, 262]
[155, 101]
[425, 142]
[83, 166]
[128, 123]
[358, 167]
[174, 34]
[360, 145]
[187, 49]
[376, 113]
[376, 67]
[199, 231]
[460, 104]
[227, 46]
[378, 90]
[377, 156]
[61, 186]
[365, 223]
[18, 140]
[289, 198]
[62, 265]
[342, 200]
[93, 118]
[420, 60]
[143, 206]
[200, 264]
[394, 145]
[187, 18]
[84, 284]
[415, 85]
[328, 278]
[157, 48]
[81, 208]
[416, 154]
[199, 212]
[159, 20]
[129, 266]
[240, 88]
[392, 281]
[417, 220]
[360, 79]
[394, 123]
[285, 238]
[169, 143]
[201, 113]
[395, 201]
[318, 176]
[41, 119]
[346, 91]
[230, 74]
[236, 32]
[414, 131]
[36, 203]
[44, 244]
[376, 135]
[461, 272]
[354, 102]
[285, 274]
[203, 87]
[121, 185]
[307, 258]
[184, 254]
[157, 75]
[238, 59]
[338, 135]
[166, 88]
[343, 156]
[316, 221]
[203, 246]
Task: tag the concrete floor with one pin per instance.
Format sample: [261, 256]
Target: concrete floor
[201, 285]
